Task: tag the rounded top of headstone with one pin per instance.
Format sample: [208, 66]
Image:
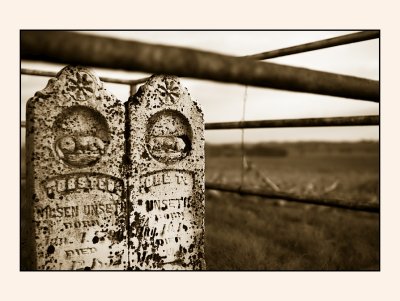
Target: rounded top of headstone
[164, 91]
[75, 83]
[80, 84]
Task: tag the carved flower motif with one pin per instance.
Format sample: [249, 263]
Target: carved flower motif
[170, 91]
[82, 87]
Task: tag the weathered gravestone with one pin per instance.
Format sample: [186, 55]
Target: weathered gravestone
[76, 188]
[166, 179]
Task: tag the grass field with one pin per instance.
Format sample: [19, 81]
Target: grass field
[253, 233]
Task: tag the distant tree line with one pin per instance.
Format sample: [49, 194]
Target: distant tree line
[282, 149]
[232, 150]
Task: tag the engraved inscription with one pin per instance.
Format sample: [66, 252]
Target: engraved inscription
[99, 209]
[56, 212]
[166, 205]
[76, 232]
[81, 224]
[168, 136]
[163, 178]
[86, 182]
[78, 252]
[82, 136]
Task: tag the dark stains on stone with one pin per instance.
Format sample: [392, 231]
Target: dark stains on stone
[145, 155]
[51, 249]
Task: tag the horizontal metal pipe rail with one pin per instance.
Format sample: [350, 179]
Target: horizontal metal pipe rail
[282, 123]
[104, 52]
[104, 79]
[294, 197]
[304, 122]
[337, 41]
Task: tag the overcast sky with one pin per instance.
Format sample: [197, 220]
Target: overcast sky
[224, 102]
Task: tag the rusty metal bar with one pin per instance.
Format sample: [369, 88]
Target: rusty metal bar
[337, 41]
[304, 122]
[102, 78]
[294, 197]
[103, 52]
[281, 123]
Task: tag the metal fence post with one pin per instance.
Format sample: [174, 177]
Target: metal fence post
[132, 89]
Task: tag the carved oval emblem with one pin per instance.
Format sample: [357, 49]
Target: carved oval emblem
[168, 136]
[81, 136]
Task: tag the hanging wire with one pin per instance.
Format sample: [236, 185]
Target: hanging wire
[243, 151]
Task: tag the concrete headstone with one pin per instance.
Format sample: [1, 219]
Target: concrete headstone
[75, 176]
[166, 178]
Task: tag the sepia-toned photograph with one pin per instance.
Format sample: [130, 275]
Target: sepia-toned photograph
[200, 150]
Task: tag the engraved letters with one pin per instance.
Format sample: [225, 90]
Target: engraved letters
[83, 181]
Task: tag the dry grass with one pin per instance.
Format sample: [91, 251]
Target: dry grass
[254, 234]
[251, 233]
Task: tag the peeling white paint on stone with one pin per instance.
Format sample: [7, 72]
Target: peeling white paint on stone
[76, 196]
[166, 178]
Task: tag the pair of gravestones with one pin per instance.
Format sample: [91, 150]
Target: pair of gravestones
[113, 186]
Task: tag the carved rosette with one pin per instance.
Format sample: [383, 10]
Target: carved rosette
[80, 85]
[169, 91]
